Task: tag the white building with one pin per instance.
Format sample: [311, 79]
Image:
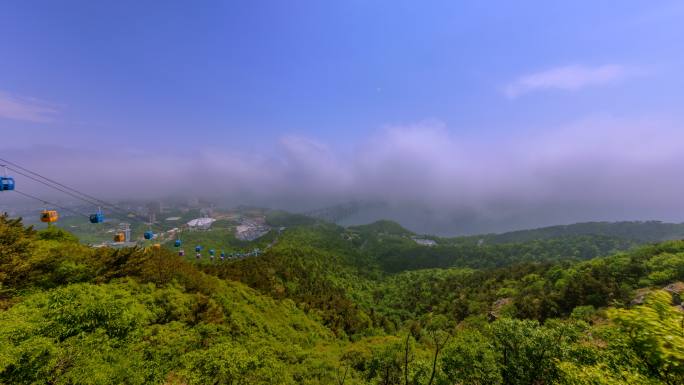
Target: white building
[201, 223]
[425, 242]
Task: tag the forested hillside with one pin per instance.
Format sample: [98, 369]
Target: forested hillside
[332, 305]
[647, 231]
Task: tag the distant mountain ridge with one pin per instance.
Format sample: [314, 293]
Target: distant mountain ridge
[464, 223]
[638, 231]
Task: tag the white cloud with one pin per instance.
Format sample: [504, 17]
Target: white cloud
[570, 78]
[591, 169]
[26, 109]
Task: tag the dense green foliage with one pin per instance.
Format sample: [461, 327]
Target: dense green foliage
[395, 249]
[222, 239]
[333, 305]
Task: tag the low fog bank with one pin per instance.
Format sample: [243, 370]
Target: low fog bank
[423, 220]
[432, 179]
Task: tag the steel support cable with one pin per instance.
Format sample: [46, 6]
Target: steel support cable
[49, 203]
[95, 201]
[101, 202]
[83, 196]
[56, 188]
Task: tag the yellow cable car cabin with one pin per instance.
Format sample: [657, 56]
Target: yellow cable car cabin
[49, 216]
[119, 237]
[156, 246]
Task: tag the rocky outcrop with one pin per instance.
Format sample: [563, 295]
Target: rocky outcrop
[494, 314]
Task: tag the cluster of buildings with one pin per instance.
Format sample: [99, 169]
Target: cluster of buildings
[251, 229]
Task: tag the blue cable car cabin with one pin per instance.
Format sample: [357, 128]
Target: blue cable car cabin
[177, 243]
[148, 235]
[212, 252]
[97, 217]
[198, 249]
[223, 255]
[6, 183]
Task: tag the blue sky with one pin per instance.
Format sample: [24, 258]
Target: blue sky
[290, 85]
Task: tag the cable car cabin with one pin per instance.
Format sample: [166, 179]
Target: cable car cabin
[198, 249]
[6, 183]
[120, 237]
[96, 218]
[148, 235]
[181, 253]
[49, 216]
[223, 255]
[156, 246]
[177, 243]
[212, 252]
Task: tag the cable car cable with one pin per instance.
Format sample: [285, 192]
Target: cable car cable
[101, 202]
[84, 197]
[94, 201]
[56, 188]
[49, 203]
[97, 202]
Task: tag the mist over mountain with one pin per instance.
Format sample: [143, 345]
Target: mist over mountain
[429, 178]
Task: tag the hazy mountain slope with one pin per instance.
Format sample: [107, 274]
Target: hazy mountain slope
[642, 232]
